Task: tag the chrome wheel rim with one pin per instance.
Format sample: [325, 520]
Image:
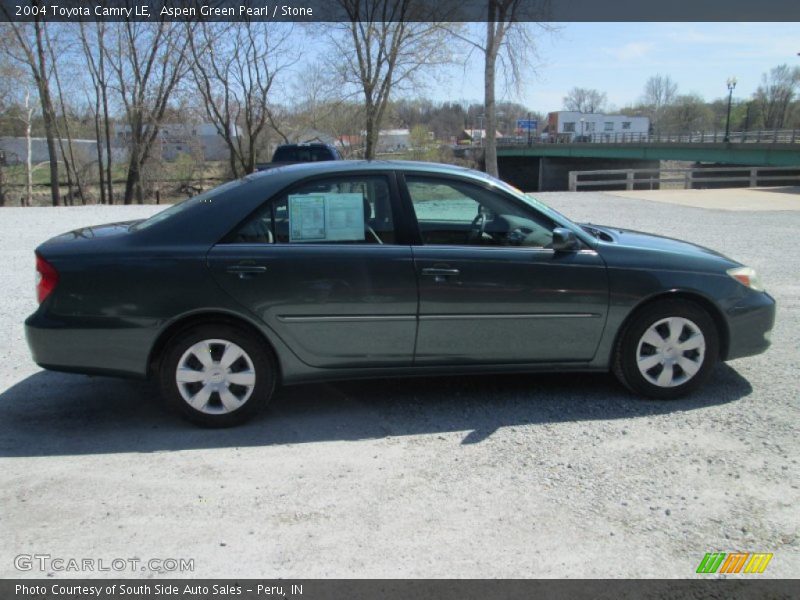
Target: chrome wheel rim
[215, 376]
[671, 352]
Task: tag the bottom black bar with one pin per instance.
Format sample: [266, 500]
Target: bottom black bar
[397, 589]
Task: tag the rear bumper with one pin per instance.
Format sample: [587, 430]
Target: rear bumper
[750, 323]
[60, 346]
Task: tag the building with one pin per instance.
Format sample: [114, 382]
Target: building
[475, 136]
[15, 150]
[572, 126]
[200, 140]
[393, 140]
[311, 136]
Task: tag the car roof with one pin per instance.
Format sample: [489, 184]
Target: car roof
[338, 166]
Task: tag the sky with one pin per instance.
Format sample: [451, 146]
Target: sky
[618, 58]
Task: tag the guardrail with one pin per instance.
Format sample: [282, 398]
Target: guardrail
[640, 178]
[774, 136]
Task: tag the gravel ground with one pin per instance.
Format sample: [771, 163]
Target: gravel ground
[512, 476]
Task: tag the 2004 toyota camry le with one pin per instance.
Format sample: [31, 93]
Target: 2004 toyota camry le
[353, 269]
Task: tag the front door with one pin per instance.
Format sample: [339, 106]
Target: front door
[319, 265]
[490, 289]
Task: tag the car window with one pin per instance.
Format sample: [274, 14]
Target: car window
[187, 204]
[345, 209]
[302, 154]
[459, 213]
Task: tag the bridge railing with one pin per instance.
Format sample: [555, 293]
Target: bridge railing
[630, 179]
[765, 136]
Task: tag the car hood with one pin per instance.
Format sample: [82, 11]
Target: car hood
[648, 241]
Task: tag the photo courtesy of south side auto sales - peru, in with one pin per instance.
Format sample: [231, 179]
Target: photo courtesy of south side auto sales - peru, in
[359, 269]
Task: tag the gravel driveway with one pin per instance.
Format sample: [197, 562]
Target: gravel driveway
[490, 476]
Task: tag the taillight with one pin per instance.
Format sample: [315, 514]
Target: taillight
[46, 278]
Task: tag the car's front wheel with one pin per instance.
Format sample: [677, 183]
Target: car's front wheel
[217, 375]
[668, 349]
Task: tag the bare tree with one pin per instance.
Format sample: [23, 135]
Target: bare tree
[28, 120]
[509, 37]
[147, 61]
[585, 100]
[380, 49]
[235, 66]
[16, 105]
[94, 52]
[775, 94]
[688, 113]
[26, 44]
[62, 125]
[659, 92]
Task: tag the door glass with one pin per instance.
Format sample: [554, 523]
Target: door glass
[335, 210]
[457, 213]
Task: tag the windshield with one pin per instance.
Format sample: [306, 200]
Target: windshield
[173, 210]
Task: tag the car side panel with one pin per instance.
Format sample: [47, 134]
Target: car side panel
[638, 278]
[342, 305]
[109, 308]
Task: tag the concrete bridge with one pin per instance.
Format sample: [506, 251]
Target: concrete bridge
[545, 166]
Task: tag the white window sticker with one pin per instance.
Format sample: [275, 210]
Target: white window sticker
[306, 217]
[326, 217]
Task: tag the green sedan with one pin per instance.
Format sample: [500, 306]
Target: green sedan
[354, 269]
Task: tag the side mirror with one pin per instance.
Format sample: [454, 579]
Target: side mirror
[565, 240]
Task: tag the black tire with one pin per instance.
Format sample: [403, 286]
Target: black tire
[627, 352]
[251, 398]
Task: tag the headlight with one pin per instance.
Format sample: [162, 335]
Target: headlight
[748, 277]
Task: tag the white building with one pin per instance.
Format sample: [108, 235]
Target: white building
[15, 150]
[393, 140]
[476, 136]
[199, 140]
[569, 126]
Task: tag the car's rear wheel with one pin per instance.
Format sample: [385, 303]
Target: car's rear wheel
[668, 349]
[217, 375]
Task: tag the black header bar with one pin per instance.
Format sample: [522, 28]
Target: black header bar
[399, 10]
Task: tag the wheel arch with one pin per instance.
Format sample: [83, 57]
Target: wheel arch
[207, 317]
[704, 302]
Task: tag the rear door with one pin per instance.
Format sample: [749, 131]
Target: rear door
[490, 289]
[321, 266]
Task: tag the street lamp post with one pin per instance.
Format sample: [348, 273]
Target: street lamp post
[731, 85]
[582, 121]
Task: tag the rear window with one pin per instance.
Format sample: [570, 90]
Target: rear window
[187, 204]
[302, 154]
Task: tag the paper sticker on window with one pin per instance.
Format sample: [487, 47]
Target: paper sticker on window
[326, 217]
[306, 217]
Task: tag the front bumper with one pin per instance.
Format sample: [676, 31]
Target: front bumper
[750, 323]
